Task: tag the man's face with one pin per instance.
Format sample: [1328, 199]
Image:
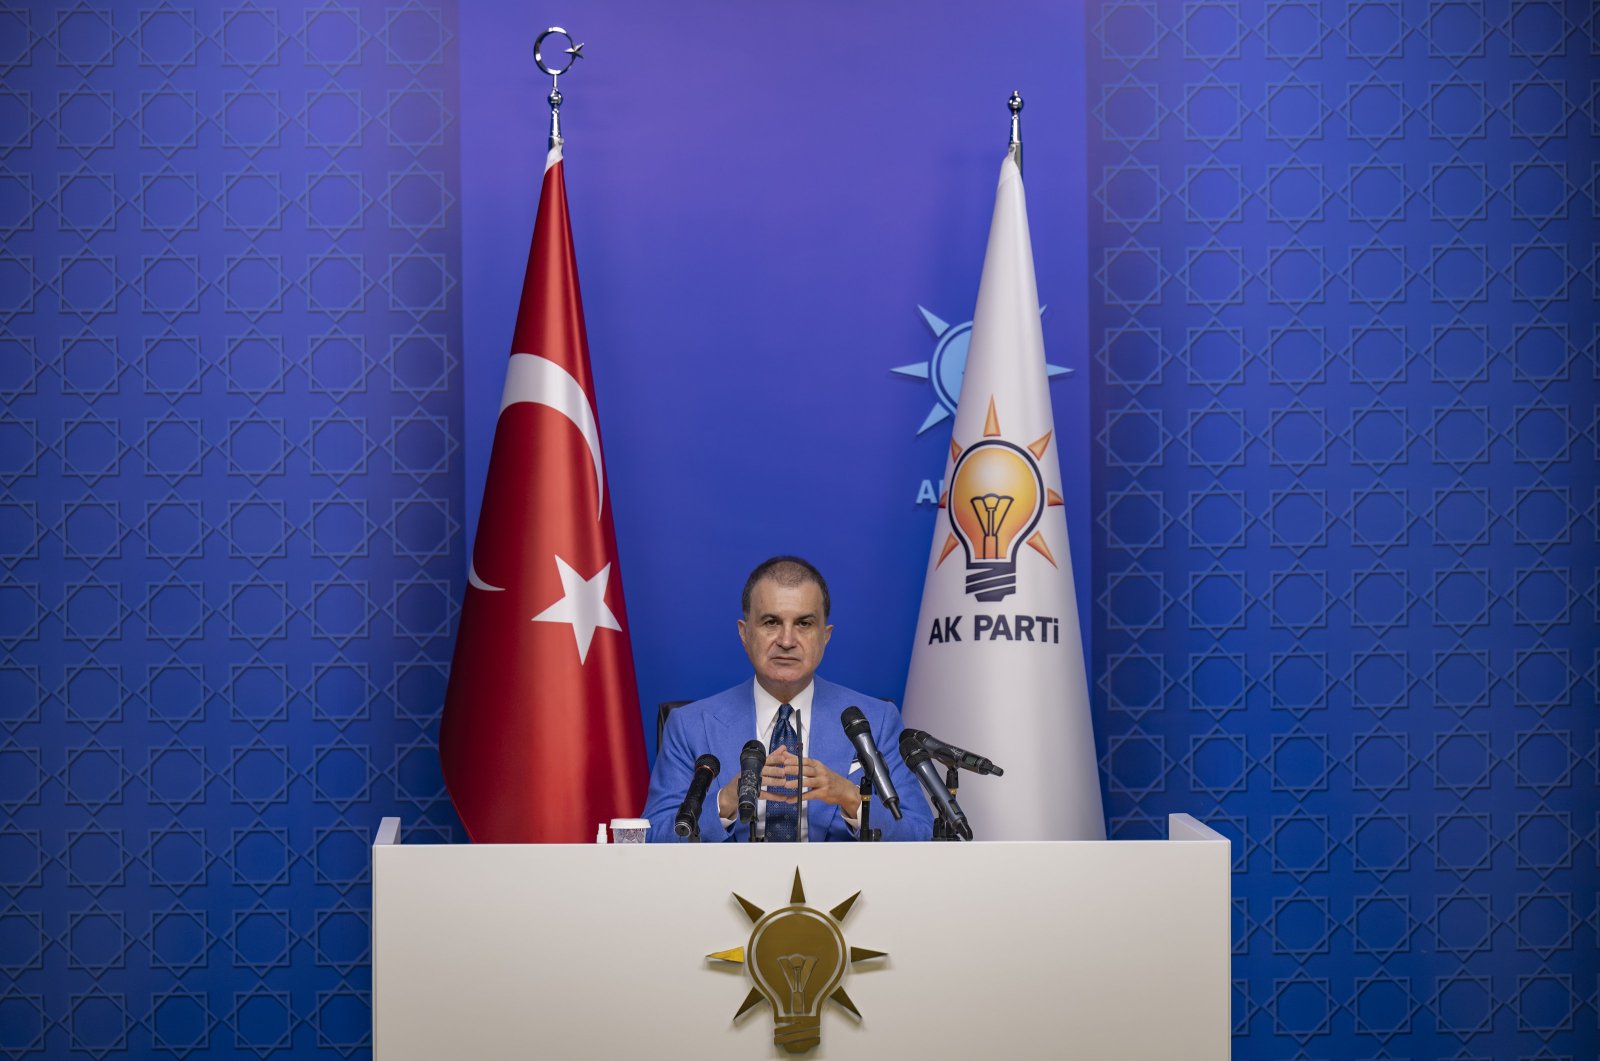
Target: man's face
[784, 634]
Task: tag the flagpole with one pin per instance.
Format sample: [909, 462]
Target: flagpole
[1014, 146]
[575, 52]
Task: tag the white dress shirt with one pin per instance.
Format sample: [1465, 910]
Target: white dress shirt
[766, 721]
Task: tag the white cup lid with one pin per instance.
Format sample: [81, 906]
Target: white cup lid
[630, 823]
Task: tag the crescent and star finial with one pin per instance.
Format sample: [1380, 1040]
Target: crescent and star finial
[573, 51]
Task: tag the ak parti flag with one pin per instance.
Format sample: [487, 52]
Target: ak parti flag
[541, 736]
[998, 664]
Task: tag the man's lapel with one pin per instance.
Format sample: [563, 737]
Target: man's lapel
[729, 726]
[736, 721]
[828, 745]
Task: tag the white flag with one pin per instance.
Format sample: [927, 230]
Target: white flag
[998, 663]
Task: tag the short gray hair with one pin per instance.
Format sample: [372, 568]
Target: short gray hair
[786, 571]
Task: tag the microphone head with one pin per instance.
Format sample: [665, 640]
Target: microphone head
[854, 721]
[911, 749]
[753, 753]
[708, 762]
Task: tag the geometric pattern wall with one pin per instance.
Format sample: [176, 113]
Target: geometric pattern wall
[1344, 322]
[230, 527]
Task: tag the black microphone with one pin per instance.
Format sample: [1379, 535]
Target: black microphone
[860, 734]
[950, 755]
[705, 769]
[751, 759]
[921, 764]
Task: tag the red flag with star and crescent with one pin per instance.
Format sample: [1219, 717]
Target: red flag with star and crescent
[541, 737]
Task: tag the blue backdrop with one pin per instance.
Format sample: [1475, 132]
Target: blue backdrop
[1343, 316]
[231, 522]
[1326, 278]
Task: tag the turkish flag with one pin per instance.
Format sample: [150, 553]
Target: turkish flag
[541, 736]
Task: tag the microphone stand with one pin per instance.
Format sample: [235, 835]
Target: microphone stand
[941, 830]
[867, 834]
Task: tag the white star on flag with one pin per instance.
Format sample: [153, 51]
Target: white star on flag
[582, 604]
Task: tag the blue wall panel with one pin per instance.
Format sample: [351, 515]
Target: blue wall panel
[231, 544]
[1344, 313]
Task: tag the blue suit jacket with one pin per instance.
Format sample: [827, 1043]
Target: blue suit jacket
[721, 725]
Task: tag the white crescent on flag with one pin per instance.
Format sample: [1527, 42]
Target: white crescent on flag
[531, 378]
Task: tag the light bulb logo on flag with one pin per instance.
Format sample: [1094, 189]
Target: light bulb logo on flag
[996, 497]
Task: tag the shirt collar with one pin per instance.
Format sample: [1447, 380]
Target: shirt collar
[767, 707]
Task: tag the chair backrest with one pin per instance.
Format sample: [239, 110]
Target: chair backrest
[663, 709]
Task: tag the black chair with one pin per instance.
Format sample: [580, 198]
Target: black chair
[663, 709]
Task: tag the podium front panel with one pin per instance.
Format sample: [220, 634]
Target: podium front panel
[1105, 950]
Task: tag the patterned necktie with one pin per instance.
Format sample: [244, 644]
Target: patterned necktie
[783, 819]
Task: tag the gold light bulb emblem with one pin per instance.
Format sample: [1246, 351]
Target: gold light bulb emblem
[996, 496]
[796, 957]
[999, 490]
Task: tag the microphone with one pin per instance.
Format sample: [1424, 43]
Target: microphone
[921, 764]
[950, 755]
[859, 731]
[751, 758]
[705, 769]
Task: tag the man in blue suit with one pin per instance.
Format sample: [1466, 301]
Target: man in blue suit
[810, 781]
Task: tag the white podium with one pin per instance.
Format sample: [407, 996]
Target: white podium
[1116, 949]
